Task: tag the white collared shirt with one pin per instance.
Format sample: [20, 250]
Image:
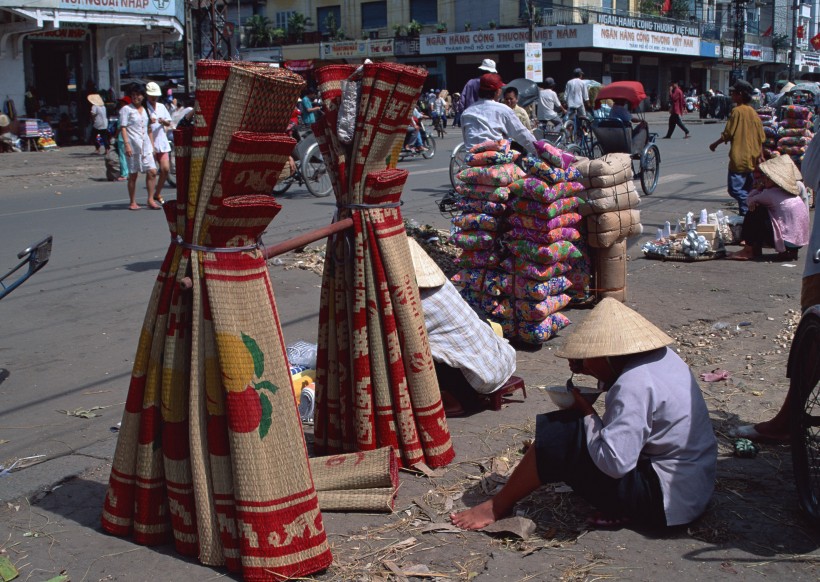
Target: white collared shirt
[490, 120]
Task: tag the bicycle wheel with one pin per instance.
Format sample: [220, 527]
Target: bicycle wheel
[314, 172]
[650, 169]
[595, 150]
[573, 149]
[282, 184]
[430, 144]
[804, 399]
[457, 162]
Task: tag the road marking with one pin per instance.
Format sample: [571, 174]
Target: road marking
[672, 177]
[419, 173]
[63, 207]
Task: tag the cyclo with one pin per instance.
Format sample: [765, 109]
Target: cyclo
[615, 136]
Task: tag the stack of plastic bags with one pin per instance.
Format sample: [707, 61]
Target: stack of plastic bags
[546, 263]
[485, 194]
[795, 132]
[768, 116]
[611, 217]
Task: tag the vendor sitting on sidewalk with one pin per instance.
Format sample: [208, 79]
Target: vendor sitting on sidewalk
[652, 457]
[778, 217]
[470, 359]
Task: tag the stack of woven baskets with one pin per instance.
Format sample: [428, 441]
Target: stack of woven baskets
[611, 217]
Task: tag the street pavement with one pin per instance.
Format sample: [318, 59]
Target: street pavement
[68, 336]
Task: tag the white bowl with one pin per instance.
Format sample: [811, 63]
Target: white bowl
[563, 398]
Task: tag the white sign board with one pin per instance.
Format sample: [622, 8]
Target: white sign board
[356, 49]
[533, 62]
[508, 39]
[145, 7]
[614, 37]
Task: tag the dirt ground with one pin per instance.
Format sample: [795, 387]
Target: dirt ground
[737, 317]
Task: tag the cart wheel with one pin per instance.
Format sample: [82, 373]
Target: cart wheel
[430, 144]
[282, 184]
[457, 162]
[573, 149]
[650, 169]
[314, 172]
[804, 396]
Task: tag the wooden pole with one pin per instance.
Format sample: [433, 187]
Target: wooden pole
[306, 238]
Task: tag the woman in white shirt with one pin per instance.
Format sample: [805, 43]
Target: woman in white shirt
[160, 120]
[138, 149]
[650, 459]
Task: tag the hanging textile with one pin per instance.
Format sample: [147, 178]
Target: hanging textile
[375, 381]
[211, 452]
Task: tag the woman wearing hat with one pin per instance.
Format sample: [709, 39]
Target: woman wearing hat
[777, 217]
[650, 458]
[99, 117]
[160, 123]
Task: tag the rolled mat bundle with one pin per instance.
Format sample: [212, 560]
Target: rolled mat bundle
[211, 451]
[375, 381]
[611, 217]
[363, 481]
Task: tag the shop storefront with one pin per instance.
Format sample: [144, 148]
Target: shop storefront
[60, 50]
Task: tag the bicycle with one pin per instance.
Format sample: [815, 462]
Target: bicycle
[427, 141]
[311, 170]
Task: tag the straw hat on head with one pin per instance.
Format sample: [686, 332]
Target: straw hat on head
[783, 172]
[95, 99]
[428, 273]
[613, 329]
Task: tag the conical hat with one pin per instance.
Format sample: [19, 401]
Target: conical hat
[783, 172]
[95, 99]
[428, 273]
[613, 329]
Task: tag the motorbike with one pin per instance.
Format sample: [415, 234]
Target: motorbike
[429, 143]
[35, 257]
[691, 104]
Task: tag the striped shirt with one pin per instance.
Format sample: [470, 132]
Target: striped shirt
[460, 339]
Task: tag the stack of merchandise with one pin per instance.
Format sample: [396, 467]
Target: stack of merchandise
[795, 132]
[768, 116]
[611, 217]
[523, 280]
[484, 187]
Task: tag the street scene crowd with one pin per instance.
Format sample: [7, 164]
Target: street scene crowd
[540, 223]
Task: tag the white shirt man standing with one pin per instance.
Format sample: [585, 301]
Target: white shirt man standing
[576, 95]
[487, 119]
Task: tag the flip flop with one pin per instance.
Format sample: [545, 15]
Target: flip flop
[601, 521]
[137, 208]
[157, 207]
[737, 257]
[748, 431]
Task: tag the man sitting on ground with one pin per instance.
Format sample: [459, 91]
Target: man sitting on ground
[471, 360]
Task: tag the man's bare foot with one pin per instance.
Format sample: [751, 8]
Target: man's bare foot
[134, 207]
[476, 517]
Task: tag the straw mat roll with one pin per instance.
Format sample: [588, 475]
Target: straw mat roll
[362, 470]
[612, 329]
[358, 500]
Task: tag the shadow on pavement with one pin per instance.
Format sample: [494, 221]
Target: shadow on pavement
[143, 266]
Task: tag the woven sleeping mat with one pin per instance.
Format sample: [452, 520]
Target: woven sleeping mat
[211, 452]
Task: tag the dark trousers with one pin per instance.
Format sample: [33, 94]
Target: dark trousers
[562, 455]
[757, 231]
[674, 119]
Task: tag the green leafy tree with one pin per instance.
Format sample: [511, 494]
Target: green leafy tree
[297, 23]
[258, 31]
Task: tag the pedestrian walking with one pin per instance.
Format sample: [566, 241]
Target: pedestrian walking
[576, 94]
[99, 118]
[469, 94]
[139, 152]
[458, 109]
[160, 120]
[744, 133]
[677, 105]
